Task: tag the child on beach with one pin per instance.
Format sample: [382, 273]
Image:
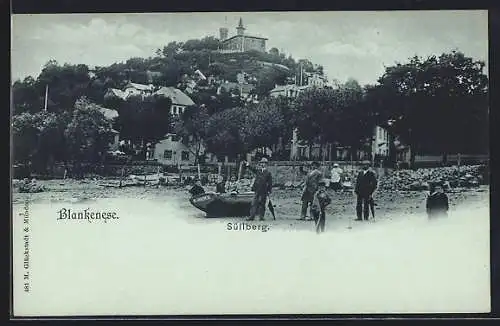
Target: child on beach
[437, 204]
[319, 203]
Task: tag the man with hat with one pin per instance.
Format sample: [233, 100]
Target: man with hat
[366, 183]
[311, 186]
[437, 203]
[262, 187]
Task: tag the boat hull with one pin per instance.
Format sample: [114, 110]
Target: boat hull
[224, 205]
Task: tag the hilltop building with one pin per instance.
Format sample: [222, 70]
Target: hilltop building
[241, 42]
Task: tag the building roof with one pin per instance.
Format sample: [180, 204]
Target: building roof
[140, 87]
[109, 113]
[116, 92]
[246, 36]
[176, 95]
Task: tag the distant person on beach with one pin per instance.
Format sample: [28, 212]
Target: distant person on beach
[437, 204]
[311, 186]
[319, 203]
[232, 185]
[366, 183]
[197, 189]
[336, 177]
[262, 187]
[220, 187]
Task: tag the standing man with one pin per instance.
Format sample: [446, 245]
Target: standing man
[336, 177]
[312, 181]
[366, 183]
[262, 187]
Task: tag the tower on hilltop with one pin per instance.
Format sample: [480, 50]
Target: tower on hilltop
[240, 29]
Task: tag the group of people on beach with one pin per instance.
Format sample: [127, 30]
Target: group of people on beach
[315, 197]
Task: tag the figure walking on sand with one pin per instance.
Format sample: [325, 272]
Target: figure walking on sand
[311, 186]
[318, 207]
[366, 183]
[262, 187]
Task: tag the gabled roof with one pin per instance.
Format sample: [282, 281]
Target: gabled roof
[140, 87]
[116, 92]
[176, 96]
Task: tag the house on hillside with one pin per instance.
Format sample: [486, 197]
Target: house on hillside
[111, 115]
[180, 101]
[113, 92]
[245, 90]
[316, 80]
[139, 89]
[290, 91]
[171, 151]
[241, 42]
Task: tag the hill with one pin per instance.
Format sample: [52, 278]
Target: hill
[170, 66]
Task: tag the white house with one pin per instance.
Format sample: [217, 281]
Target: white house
[138, 89]
[180, 101]
[380, 145]
[245, 90]
[381, 141]
[316, 80]
[171, 151]
[111, 115]
[290, 91]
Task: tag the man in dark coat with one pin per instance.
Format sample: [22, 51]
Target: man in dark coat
[366, 183]
[311, 186]
[437, 204]
[262, 187]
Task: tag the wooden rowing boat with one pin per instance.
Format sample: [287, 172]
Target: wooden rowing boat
[224, 205]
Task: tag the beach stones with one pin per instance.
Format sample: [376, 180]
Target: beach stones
[418, 180]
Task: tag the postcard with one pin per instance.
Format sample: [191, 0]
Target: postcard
[242, 163]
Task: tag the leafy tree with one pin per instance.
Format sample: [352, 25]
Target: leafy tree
[274, 51]
[439, 104]
[65, 83]
[144, 120]
[88, 133]
[192, 129]
[263, 125]
[26, 97]
[223, 135]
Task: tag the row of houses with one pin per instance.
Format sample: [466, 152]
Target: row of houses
[171, 151]
[180, 101]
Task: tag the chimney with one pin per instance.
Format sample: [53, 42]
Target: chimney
[223, 33]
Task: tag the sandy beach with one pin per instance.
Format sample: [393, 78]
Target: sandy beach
[161, 256]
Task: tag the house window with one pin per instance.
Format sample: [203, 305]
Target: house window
[167, 154]
[185, 156]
